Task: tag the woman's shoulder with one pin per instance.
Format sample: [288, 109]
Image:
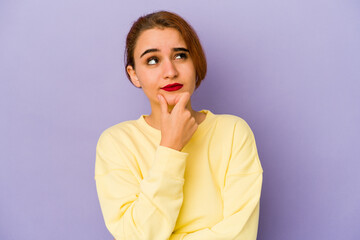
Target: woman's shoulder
[231, 125]
[120, 130]
[121, 126]
[230, 120]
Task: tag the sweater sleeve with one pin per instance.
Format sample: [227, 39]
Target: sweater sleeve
[241, 193]
[133, 209]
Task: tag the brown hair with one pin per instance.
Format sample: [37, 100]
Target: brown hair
[164, 19]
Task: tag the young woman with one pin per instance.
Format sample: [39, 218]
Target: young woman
[176, 173]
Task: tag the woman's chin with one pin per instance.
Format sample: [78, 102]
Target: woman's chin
[171, 99]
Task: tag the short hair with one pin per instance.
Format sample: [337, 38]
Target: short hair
[165, 19]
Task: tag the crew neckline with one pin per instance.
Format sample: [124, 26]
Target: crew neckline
[141, 121]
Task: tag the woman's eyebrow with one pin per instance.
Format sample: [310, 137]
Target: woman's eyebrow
[149, 50]
[179, 49]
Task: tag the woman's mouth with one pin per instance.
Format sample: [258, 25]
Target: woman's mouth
[172, 87]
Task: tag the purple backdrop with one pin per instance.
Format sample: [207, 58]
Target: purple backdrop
[289, 68]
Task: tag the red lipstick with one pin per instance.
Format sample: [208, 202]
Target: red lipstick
[172, 87]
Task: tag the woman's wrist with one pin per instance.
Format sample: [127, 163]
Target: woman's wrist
[172, 146]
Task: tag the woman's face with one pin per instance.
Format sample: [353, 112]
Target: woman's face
[161, 58]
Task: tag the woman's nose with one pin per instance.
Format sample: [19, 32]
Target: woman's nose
[170, 70]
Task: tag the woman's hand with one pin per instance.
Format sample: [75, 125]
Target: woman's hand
[178, 126]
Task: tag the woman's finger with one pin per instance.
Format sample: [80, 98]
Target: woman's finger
[163, 105]
[184, 99]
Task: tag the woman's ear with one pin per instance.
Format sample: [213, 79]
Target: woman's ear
[134, 79]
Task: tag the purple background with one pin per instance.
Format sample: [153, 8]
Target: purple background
[290, 68]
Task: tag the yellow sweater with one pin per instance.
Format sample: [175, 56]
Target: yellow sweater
[209, 190]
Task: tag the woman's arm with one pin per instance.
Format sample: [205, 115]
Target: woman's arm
[241, 225]
[139, 210]
[241, 194]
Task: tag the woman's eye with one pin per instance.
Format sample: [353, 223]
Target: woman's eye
[181, 56]
[152, 61]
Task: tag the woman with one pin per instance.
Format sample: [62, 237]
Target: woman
[176, 173]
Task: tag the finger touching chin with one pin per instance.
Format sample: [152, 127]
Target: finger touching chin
[171, 99]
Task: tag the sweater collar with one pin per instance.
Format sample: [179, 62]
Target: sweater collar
[153, 131]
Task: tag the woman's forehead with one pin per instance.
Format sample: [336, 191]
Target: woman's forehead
[162, 39]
